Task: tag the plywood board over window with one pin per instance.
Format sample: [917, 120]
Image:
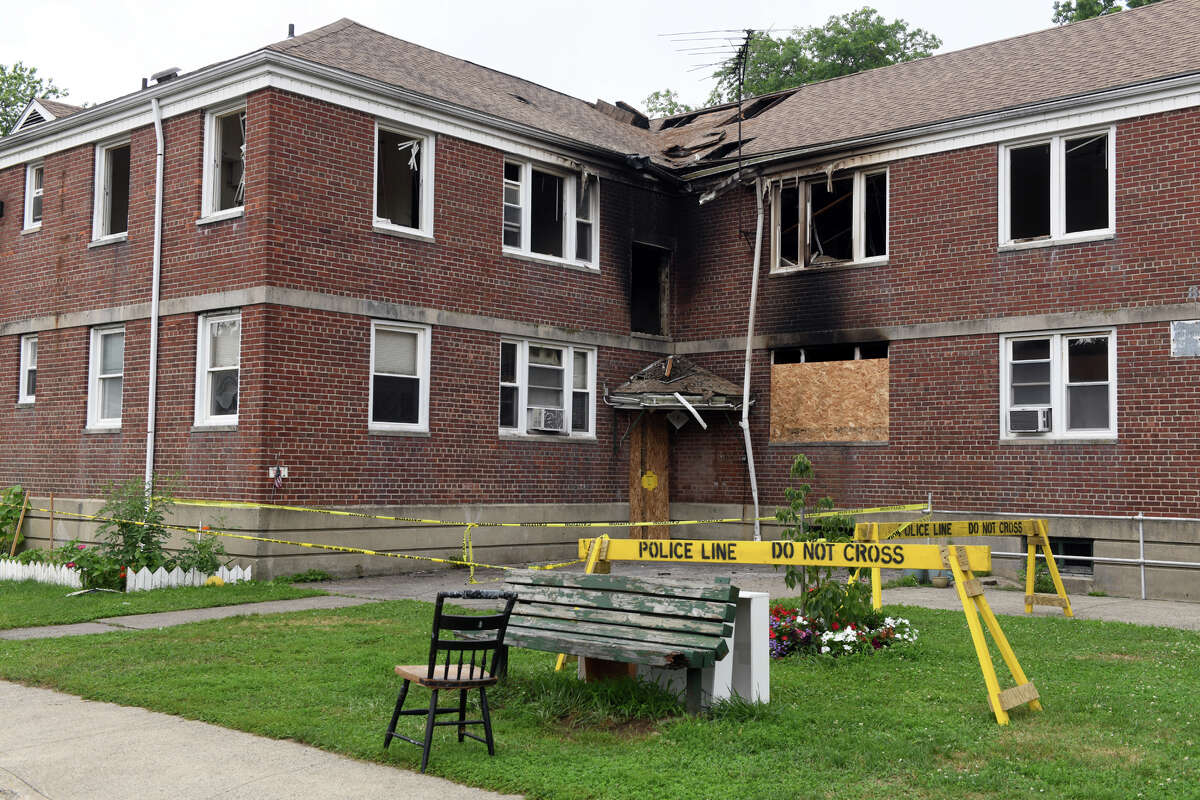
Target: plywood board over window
[830, 401]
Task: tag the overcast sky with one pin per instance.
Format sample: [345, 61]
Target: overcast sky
[615, 49]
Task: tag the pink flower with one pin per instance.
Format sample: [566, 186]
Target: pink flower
[71, 564]
[81, 547]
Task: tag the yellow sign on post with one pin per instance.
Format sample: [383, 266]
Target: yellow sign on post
[851, 555]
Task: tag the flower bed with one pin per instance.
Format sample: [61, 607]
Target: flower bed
[791, 632]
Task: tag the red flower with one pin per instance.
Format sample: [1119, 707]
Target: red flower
[772, 634]
[71, 564]
[835, 626]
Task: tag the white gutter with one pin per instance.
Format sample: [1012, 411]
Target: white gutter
[745, 423]
[152, 395]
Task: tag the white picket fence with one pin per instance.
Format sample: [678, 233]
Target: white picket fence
[55, 574]
[144, 579]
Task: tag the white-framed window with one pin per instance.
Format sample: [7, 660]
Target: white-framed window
[218, 368]
[840, 221]
[550, 213]
[35, 176]
[27, 377]
[110, 217]
[547, 388]
[403, 180]
[1058, 189]
[399, 393]
[224, 183]
[1059, 385]
[106, 374]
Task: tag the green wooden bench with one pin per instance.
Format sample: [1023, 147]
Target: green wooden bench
[669, 624]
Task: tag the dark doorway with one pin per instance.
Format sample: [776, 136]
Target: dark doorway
[648, 296]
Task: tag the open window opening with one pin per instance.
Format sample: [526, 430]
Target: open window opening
[112, 191]
[648, 289]
[231, 135]
[1072, 556]
[546, 214]
[550, 214]
[818, 223]
[830, 393]
[398, 179]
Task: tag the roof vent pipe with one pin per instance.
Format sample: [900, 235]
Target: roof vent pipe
[291, 30]
[168, 74]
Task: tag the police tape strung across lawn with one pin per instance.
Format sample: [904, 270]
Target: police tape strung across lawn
[814, 553]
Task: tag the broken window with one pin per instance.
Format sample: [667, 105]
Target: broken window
[546, 389]
[1059, 385]
[401, 161]
[845, 220]
[1057, 189]
[830, 393]
[648, 295]
[34, 193]
[549, 213]
[112, 191]
[225, 162]
[399, 397]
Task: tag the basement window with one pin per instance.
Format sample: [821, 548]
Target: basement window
[111, 204]
[225, 162]
[1057, 190]
[1073, 556]
[830, 393]
[550, 214]
[403, 181]
[35, 175]
[819, 223]
[547, 389]
[399, 394]
[218, 369]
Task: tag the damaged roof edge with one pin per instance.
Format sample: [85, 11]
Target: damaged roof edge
[191, 83]
[947, 126]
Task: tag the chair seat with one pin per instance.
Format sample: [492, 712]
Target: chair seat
[452, 676]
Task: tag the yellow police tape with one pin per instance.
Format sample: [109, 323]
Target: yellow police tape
[234, 504]
[467, 547]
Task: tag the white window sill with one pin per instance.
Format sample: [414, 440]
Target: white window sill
[872, 443]
[204, 427]
[579, 438]
[401, 232]
[416, 434]
[841, 265]
[1107, 438]
[1090, 236]
[525, 255]
[25, 403]
[219, 216]
[31, 229]
[113, 239]
[102, 429]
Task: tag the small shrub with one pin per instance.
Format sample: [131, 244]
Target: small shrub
[12, 500]
[308, 576]
[204, 554]
[97, 569]
[1042, 582]
[907, 580]
[133, 532]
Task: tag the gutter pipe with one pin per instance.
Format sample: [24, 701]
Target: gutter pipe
[152, 395]
[745, 423]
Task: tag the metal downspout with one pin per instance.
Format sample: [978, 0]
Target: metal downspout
[745, 423]
[152, 394]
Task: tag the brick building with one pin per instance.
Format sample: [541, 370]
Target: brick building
[415, 283]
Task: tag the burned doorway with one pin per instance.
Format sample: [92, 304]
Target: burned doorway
[649, 296]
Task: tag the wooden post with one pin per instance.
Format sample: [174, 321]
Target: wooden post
[12, 551]
[51, 521]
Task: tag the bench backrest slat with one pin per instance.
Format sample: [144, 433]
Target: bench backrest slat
[706, 627]
[620, 583]
[642, 603]
[617, 632]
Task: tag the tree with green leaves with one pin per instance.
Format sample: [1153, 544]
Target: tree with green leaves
[1076, 10]
[18, 85]
[845, 44]
[665, 103]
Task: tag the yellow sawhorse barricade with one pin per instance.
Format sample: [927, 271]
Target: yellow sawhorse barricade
[1034, 531]
[961, 560]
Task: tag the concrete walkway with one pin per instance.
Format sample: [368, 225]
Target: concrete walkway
[57, 747]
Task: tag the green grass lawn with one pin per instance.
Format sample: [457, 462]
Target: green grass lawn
[25, 604]
[1121, 715]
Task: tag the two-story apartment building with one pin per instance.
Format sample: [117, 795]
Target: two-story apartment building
[418, 284]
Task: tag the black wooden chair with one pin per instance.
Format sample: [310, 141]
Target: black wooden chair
[462, 663]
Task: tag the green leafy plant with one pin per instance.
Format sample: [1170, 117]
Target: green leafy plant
[1042, 582]
[133, 531]
[308, 576]
[204, 554]
[12, 500]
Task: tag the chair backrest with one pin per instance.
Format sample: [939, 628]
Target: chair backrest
[485, 632]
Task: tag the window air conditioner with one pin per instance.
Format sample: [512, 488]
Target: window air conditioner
[546, 419]
[1029, 420]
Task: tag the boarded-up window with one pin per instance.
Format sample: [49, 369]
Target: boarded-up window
[840, 394]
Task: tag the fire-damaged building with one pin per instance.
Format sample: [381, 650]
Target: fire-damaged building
[347, 271]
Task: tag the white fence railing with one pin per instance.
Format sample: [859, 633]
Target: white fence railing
[144, 579]
[55, 574]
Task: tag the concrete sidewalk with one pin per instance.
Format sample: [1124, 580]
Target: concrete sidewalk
[57, 747]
